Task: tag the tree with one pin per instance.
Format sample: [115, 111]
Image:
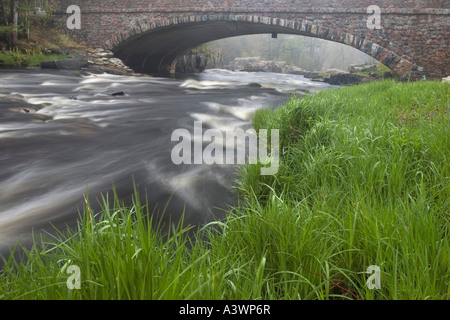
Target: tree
[15, 22]
[3, 13]
[17, 18]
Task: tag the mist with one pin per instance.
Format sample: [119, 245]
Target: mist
[308, 53]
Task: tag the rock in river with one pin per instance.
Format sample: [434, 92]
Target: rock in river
[342, 79]
[65, 64]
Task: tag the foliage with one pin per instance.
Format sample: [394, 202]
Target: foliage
[31, 58]
[28, 18]
[363, 180]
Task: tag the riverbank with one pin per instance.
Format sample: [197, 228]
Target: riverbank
[363, 181]
[48, 44]
[356, 74]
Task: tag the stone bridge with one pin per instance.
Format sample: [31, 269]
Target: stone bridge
[413, 38]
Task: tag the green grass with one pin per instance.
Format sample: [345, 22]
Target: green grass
[363, 180]
[35, 60]
[14, 59]
[380, 73]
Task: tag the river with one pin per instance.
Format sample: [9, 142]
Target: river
[62, 134]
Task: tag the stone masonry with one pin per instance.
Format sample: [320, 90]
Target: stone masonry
[413, 40]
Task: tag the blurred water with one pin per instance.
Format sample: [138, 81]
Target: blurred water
[62, 133]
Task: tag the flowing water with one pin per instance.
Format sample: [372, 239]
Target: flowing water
[62, 134]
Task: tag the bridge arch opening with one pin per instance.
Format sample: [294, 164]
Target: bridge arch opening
[281, 53]
[152, 46]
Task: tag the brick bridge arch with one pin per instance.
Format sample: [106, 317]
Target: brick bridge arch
[149, 34]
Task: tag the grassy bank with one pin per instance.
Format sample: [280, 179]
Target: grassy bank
[17, 59]
[363, 180]
[44, 44]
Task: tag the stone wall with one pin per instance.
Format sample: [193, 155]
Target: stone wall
[196, 61]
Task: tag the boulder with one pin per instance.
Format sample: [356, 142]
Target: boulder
[342, 79]
[255, 64]
[52, 51]
[334, 71]
[65, 64]
[362, 68]
[195, 61]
